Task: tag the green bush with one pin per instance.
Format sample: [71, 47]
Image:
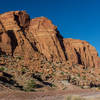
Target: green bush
[84, 77]
[31, 85]
[53, 85]
[74, 98]
[62, 73]
[24, 70]
[19, 57]
[78, 74]
[2, 69]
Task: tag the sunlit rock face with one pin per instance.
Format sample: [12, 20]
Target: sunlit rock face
[20, 35]
[81, 52]
[44, 35]
[12, 33]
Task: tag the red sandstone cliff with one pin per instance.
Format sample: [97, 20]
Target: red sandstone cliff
[81, 52]
[21, 36]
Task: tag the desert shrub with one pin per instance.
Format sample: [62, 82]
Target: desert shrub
[19, 57]
[31, 85]
[74, 98]
[24, 70]
[62, 73]
[98, 87]
[84, 77]
[2, 69]
[73, 79]
[69, 98]
[48, 76]
[53, 85]
[6, 56]
[78, 74]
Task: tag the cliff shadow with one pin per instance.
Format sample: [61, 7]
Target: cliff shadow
[38, 77]
[79, 57]
[7, 81]
[60, 38]
[2, 52]
[13, 38]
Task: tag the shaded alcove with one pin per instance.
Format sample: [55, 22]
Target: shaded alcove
[13, 38]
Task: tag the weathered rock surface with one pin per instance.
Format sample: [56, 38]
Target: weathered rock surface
[81, 52]
[34, 49]
[31, 38]
[43, 35]
[12, 34]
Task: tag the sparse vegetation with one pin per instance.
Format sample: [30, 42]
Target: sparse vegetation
[31, 85]
[78, 74]
[2, 69]
[22, 75]
[74, 98]
[64, 88]
[62, 73]
[53, 85]
[24, 70]
[19, 57]
[84, 77]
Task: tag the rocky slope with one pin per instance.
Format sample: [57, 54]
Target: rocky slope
[36, 44]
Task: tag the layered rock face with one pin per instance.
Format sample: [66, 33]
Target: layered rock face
[81, 52]
[12, 34]
[43, 35]
[5, 41]
[21, 36]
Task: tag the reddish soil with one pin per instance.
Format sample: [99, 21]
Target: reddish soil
[50, 95]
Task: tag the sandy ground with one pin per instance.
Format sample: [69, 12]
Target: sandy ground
[50, 95]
